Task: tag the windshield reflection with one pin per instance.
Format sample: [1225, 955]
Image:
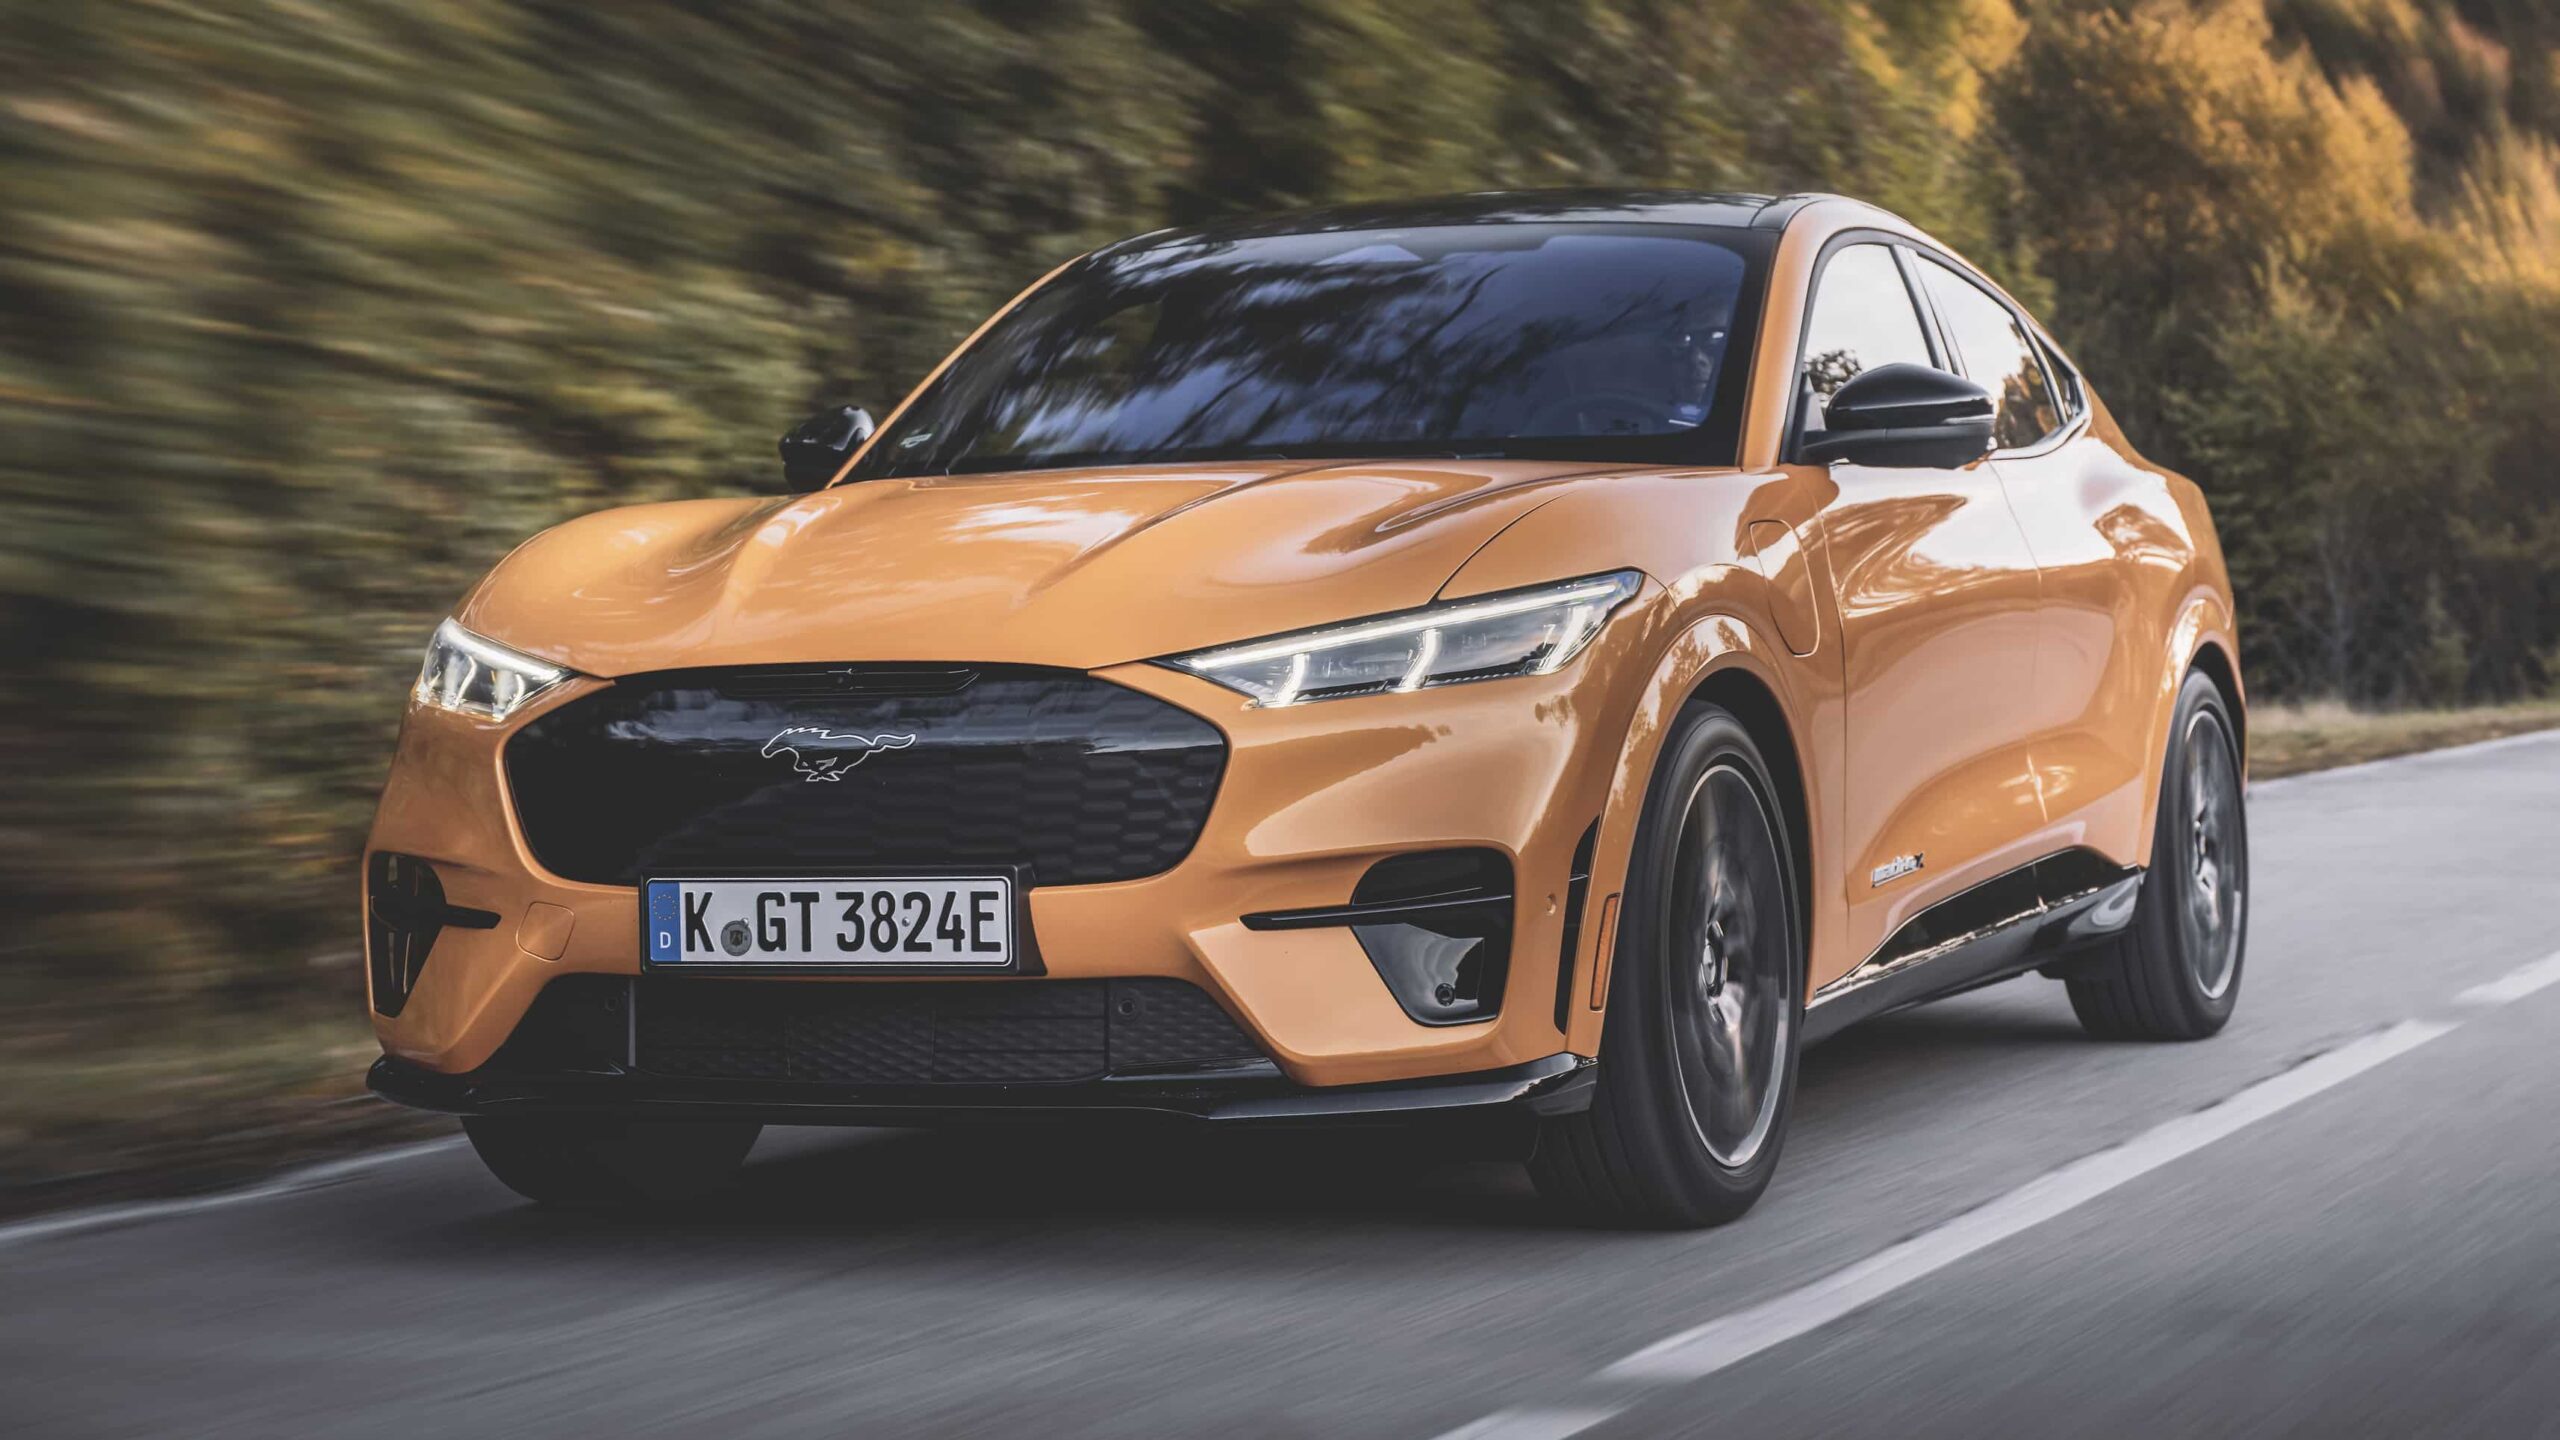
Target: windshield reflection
[1484, 341]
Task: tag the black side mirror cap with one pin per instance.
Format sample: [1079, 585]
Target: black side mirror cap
[1903, 415]
[815, 449]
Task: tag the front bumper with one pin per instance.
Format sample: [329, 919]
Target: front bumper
[1311, 798]
[1557, 1084]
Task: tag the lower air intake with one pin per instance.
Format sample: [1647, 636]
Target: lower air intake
[930, 1032]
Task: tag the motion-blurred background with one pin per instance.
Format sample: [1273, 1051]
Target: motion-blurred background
[309, 309]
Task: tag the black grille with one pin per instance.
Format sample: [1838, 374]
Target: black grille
[886, 767]
[578, 1022]
[929, 1032]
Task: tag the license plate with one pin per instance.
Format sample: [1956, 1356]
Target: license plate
[941, 922]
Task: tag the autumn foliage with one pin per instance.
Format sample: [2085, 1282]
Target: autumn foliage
[308, 311]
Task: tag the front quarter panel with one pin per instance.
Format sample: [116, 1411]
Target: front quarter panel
[446, 803]
[1692, 531]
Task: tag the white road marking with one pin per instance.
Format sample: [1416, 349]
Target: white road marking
[1730, 1339]
[1739, 1336]
[2515, 984]
[309, 1177]
[1536, 1424]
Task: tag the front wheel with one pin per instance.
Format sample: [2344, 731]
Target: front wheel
[2175, 973]
[1698, 1055]
[584, 1163]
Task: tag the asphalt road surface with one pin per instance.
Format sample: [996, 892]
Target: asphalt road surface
[2340, 1217]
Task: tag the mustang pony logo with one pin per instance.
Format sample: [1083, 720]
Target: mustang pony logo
[822, 754]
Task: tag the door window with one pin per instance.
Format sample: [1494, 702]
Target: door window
[1862, 318]
[1996, 354]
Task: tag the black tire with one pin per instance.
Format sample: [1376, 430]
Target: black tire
[1726, 942]
[584, 1163]
[2174, 974]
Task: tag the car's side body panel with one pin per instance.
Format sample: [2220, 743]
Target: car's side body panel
[2078, 652]
[1936, 598]
[2118, 562]
[1937, 608]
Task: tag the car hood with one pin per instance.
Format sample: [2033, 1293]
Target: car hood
[1078, 568]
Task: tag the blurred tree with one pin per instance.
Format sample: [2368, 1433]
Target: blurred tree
[312, 310]
[2178, 172]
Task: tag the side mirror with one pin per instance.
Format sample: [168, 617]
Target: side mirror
[1903, 415]
[813, 452]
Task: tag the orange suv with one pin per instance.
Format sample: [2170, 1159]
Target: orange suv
[1551, 655]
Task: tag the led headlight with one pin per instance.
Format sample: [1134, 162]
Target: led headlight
[473, 676]
[1520, 632]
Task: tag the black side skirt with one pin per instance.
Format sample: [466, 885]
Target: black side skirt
[2030, 929]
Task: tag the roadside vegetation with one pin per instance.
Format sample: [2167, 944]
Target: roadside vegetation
[2287, 739]
[91, 1113]
[308, 312]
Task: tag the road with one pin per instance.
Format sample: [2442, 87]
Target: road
[2342, 1216]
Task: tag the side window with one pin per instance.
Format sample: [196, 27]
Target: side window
[1996, 354]
[1862, 318]
[2066, 382]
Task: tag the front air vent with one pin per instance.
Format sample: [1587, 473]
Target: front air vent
[1435, 923]
[1577, 893]
[404, 911]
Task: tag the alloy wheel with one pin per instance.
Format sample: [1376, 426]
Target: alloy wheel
[1729, 936]
[2217, 856]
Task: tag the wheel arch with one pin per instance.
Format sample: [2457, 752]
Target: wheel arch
[2218, 666]
[1716, 658]
[2201, 641]
[1749, 699]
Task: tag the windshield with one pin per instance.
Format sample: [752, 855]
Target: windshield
[1610, 343]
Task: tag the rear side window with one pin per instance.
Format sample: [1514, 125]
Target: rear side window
[2066, 383]
[1862, 318]
[1996, 354]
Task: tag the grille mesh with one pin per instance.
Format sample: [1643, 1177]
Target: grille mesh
[1073, 779]
[929, 1032]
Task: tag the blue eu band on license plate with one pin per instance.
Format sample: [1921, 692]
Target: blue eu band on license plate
[961, 922]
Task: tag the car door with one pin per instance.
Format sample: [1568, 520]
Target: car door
[2098, 527]
[1936, 593]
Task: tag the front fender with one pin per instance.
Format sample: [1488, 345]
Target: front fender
[1712, 649]
[1691, 531]
[2204, 622]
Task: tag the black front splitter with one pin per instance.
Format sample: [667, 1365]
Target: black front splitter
[1556, 1084]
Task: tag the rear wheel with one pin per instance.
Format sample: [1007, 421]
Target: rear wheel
[1698, 1057]
[589, 1163]
[2175, 973]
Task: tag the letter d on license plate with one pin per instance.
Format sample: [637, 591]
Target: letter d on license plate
[889, 923]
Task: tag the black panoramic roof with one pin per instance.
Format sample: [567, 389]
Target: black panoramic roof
[1503, 207]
